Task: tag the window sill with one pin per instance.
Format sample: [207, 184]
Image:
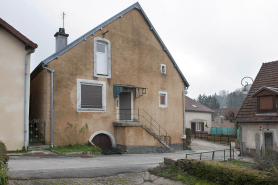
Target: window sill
[163, 106]
[103, 76]
[267, 114]
[90, 110]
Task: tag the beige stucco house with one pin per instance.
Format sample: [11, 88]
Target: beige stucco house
[258, 116]
[15, 51]
[225, 117]
[120, 79]
[198, 117]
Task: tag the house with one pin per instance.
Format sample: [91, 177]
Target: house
[198, 117]
[224, 117]
[258, 117]
[119, 79]
[15, 51]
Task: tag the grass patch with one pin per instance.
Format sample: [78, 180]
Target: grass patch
[76, 148]
[18, 151]
[240, 163]
[173, 173]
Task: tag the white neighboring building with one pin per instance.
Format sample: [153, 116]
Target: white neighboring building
[197, 116]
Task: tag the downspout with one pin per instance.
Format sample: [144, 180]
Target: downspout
[184, 92]
[51, 104]
[240, 138]
[25, 98]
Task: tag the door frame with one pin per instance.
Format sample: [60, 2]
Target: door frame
[118, 105]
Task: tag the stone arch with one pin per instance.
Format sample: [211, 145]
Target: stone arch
[106, 133]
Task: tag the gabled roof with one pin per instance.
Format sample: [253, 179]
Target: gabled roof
[17, 34]
[272, 90]
[194, 106]
[267, 78]
[225, 111]
[99, 27]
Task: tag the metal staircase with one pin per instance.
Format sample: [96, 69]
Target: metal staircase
[150, 125]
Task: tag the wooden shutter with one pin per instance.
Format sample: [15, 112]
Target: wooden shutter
[91, 96]
[202, 126]
[102, 59]
[266, 102]
[162, 99]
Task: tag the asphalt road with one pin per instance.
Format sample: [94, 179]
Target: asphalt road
[52, 166]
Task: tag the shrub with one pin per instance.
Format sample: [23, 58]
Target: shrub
[188, 137]
[224, 172]
[268, 161]
[3, 164]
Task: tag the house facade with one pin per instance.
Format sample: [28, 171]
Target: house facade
[120, 80]
[257, 117]
[15, 51]
[198, 117]
[224, 117]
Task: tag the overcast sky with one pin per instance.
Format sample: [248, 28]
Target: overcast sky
[215, 43]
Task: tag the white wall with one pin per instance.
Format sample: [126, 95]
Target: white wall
[198, 115]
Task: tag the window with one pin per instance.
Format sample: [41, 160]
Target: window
[163, 69]
[222, 120]
[102, 57]
[200, 126]
[91, 96]
[266, 103]
[162, 99]
[216, 120]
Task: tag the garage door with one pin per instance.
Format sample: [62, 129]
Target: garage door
[102, 141]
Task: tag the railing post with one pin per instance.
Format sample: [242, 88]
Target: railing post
[138, 115]
[186, 156]
[126, 116]
[200, 156]
[151, 123]
[224, 155]
[214, 138]
[159, 131]
[233, 154]
[44, 134]
[230, 151]
[213, 155]
[228, 138]
[220, 139]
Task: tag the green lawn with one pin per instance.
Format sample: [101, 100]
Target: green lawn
[76, 148]
[178, 175]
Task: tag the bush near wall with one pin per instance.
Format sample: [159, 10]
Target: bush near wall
[3, 164]
[223, 172]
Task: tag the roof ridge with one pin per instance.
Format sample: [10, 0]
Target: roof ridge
[99, 27]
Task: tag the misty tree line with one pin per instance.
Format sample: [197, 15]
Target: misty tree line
[223, 99]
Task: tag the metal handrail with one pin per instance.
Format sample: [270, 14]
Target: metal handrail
[157, 127]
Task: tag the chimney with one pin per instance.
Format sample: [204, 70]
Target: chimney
[61, 39]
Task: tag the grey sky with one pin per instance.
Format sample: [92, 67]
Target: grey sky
[215, 43]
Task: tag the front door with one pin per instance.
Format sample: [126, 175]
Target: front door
[193, 127]
[268, 141]
[125, 106]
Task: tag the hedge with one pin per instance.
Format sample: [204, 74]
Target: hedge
[3, 164]
[223, 172]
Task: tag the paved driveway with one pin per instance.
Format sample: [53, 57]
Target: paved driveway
[44, 167]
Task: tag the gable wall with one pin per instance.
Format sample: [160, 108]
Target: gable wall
[136, 56]
[12, 74]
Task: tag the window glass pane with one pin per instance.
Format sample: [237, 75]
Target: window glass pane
[100, 48]
[266, 102]
[162, 99]
[91, 96]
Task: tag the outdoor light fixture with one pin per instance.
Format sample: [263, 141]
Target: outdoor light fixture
[245, 91]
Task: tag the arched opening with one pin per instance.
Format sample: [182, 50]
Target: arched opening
[102, 141]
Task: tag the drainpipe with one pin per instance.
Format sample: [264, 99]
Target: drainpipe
[51, 106]
[240, 138]
[184, 92]
[25, 98]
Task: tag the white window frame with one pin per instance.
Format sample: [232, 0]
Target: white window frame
[108, 45]
[91, 82]
[161, 66]
[216, 120]
[166, 99]
[199, 125]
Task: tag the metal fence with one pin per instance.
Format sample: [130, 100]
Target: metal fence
[36, 132]
[212, 155]
[223, 131]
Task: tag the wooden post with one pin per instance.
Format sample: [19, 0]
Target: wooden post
[228, 138]
[220, 139]
[214, 138]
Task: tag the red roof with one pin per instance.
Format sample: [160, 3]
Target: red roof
[17, 34]
[267, 77]
[192, 105]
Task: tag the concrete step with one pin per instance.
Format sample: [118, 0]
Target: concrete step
[38, 147]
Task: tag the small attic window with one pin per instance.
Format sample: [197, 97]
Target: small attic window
[163, 69]
[193, 105]
[267, 100]
[266, 103]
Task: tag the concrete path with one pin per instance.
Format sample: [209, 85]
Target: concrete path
[56, 166]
